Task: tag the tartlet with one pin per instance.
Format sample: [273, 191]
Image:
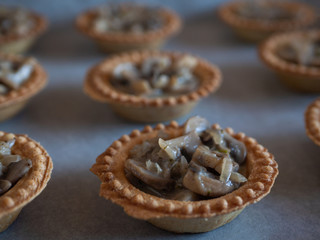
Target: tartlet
[296, 76]
[119, 42]
[31, 185]
[182, 216]
[312, 121]
[142, 109]
[12, 102]
[19, 43]
[256, 30]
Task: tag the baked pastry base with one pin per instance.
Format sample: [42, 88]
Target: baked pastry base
[300, 83]
[251, 36]
[194, 225]
[9, 111]
[7, 220]
[116, 47]
[153, 114]
[17, 46]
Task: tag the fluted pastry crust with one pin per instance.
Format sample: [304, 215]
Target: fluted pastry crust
[32, 184]
[109, 167]
[312, 121]
[98, 87]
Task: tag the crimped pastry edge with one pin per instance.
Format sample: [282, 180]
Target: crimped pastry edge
[109, 167]
[29, 88]
[33, 183]
[96, 87]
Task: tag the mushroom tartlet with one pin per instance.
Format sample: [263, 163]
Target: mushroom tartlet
[189, 178]
[25, 170]
[152, 86]
[20, 79]
[128, 26]
[19, 28]
[295, 58]
[256, 20]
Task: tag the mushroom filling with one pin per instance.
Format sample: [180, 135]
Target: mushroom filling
[15, 21]
[203, 163]
[265, 10]
[156, 77]
[303, 50]
[12, 167]
[14, 73]
[126, 18]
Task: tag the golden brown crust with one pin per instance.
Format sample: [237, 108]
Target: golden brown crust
[172, 25]
[312, 121]
[109, 167]
[32, 184]
[267, 53]
[97, 86]
[40, 26]
[228, 14]
[33, 85]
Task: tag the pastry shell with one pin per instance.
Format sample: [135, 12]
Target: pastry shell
[12, 102]
[31, 185]
[297, 77]
[312, 121]
[143, 109]
[120, 42]
[179, 216]
[255, 30]
[14, 43]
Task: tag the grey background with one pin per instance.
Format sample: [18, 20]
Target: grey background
[75, 129]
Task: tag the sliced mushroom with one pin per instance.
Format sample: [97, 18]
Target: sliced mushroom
[179, 168]
[17, 170]
[197, 124]
[207, 158]
[5, 185]
[200, 181]
[154, 180]
[238, 150]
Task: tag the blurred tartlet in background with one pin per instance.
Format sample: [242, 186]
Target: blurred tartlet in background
[128, 26]
[20, 79]
[19, 28]
[295, 58]
[152, 86]
[254, 21]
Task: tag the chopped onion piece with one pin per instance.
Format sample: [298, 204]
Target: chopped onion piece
[153, 167]
[197, 124]
[172, 153]
[237, 177]
[226, 169]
